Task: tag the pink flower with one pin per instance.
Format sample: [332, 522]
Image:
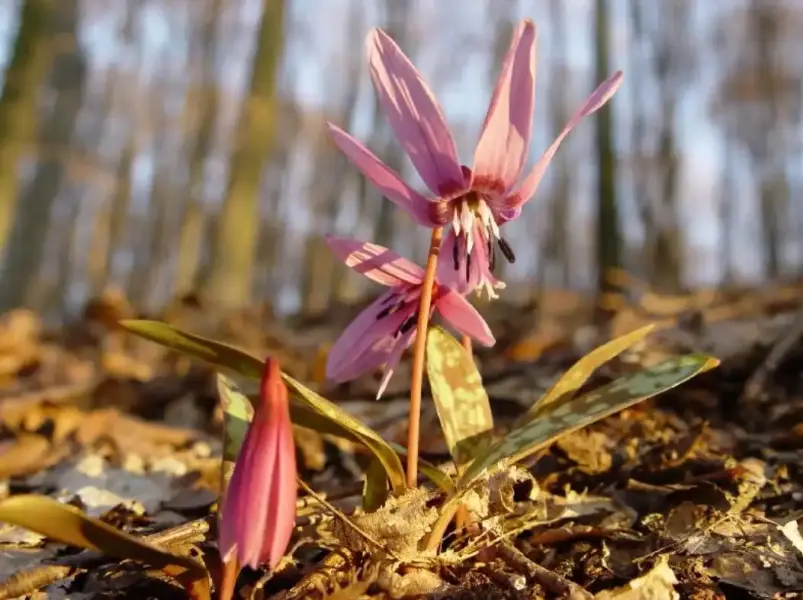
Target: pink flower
[474, 201]
[380, 334]
[259, 508]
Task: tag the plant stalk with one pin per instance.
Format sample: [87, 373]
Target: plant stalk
[467, 345]
[419, 350]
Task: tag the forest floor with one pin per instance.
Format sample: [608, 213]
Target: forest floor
[694, 494]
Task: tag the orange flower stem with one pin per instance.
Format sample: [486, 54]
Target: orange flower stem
[467, 345]
[231, 569]
[419, 350]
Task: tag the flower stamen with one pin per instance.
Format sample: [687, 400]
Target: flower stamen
[506, 250]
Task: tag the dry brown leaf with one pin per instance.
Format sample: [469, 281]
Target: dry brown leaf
[657, 584]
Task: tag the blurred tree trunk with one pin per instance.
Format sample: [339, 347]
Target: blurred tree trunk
[26, 71]
[769, 153]
[192, 218]
[230, 280]
[727, 221]
[608, 237]
[671, 65]
[557, 253]
[27, 242]
[110, 221]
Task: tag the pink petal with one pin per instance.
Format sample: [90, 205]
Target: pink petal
[447, 275]
[464, 317]
[376, 262]
[282, 500]
[244, 513]
[502, 148]
[594, 102]
[393, 359]
[478, 269]
[366, 343]
[386, 180]
[413, 114]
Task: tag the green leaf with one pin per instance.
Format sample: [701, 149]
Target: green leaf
[375, 488]
[562, 417]
[216, 353]
[442, 480]
[68, 525]
[237, 415]
[460, 399]
[367, 436]
[573, 379]
[230, 357]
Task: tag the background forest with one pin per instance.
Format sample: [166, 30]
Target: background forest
[169, 146]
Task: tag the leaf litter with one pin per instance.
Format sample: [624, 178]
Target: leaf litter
[697, 493]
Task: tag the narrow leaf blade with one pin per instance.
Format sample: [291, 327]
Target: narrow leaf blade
[216, 353]
[69, 525]
[560, 418]
[573, 379]
[367, 436]
[461, 401]
[239, 361]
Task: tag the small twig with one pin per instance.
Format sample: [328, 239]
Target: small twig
[346, 521]
[419, 350]
[549, 579]
[511, 581]
[27, 582]
[783, 346]
[191, 532]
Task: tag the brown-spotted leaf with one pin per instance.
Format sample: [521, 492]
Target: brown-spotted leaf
[573, 379]
[562, 417]
[460, 399]
[68, 525]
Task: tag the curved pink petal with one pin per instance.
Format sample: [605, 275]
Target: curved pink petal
[502, 147]
[376, 262]
[464, 317]
[243, 514]
[386, 180]
[367, 341]
[245, 497]
[393, 358]
[479, 274]
[447, 275]
[595, 101]
[282, 499]
[413, 114]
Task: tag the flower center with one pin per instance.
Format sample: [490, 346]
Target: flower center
[472, 209]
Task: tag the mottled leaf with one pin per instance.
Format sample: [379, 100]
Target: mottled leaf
[573, 379]
[239, 361]
[68, 525]
[562, 417]
[460, 399]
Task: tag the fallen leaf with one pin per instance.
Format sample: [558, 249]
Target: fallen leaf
[657, 584]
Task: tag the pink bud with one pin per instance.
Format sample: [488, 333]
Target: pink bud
[258, 509]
